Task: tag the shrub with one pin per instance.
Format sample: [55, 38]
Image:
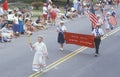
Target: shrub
[37, 4]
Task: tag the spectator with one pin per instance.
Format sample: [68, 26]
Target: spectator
[10, 17]
[49, 8]
[21, 23]
[28, 28]
[45, 12]
[53, 15]
[1, 10]
[15, 25]
[39, 24]
[1, 21]
[6, 33]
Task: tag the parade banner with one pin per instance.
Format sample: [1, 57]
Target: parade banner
[79, 39]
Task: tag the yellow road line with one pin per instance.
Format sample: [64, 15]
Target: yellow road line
[58, 61]
[67, 58]
[72, 54]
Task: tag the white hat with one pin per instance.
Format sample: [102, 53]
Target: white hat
[98, 15]
[108, 13]
[112, 8]
[40, 36]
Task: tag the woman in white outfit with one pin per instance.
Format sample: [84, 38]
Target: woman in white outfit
[40, 55]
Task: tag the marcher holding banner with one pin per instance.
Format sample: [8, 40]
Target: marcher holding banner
[98, 33]
[61, 29]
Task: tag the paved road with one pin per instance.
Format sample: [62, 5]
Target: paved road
[16, 57]
[85, 64]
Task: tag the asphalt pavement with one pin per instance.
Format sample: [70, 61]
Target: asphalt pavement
[16, 57]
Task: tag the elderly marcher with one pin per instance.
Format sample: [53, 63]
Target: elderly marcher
[40, 55]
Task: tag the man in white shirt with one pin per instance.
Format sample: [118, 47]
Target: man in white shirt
[6, 34]
[98, 33]
[10, 17]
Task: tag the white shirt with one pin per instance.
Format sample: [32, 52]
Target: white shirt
[100, 21]
[1, 11]
[10, 17]
[63, 28]
[44, 10]
[58, 10]
[75, 1]
[20, 18]
[99, 30]
[4, 30]
[40, 48]
[49, 7]
[16, 20]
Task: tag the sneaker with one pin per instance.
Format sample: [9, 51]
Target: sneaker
[107, 35]
[96, 55]
[41, 70]
[61, 49]
[36, 70]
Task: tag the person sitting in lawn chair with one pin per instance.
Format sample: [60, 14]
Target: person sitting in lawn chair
[5, 34]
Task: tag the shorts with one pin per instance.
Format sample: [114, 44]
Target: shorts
[7, 35]
[45, 16]
[10, 22]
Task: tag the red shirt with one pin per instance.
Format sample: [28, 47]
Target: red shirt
[5, 6]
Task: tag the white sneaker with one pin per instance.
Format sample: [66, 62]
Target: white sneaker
[107, 35]
[61, 49]
[36, 70]
[41, 70]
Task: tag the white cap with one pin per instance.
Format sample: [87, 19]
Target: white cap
[112, 8]
[98, 15]
[108, 13]
[40, 36]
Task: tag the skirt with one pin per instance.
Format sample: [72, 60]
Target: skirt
[53, 16]
[37, 61]
[15, 28]
[61, 38]
[45, 16]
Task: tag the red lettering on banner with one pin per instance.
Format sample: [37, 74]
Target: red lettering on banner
[79, 39]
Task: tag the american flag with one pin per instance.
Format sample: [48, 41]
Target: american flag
[93, 19]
